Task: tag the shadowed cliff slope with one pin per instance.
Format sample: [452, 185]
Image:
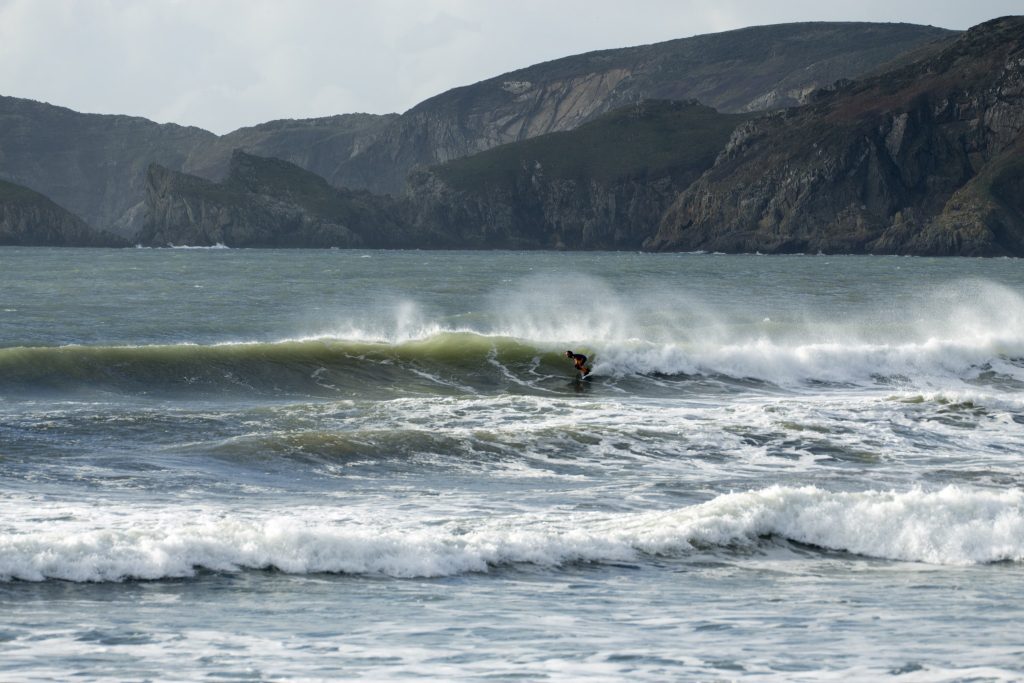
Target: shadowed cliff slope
[263, 203]
[603, 185]
[924, 159]
[95, 165]
[319, 145]
[27, 218]
[92, 164]
[764, 67]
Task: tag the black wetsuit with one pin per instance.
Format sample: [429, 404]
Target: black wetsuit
[581, 362]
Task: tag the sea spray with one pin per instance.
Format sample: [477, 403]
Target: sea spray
[499, 363]
[950, 526]
[302, 431]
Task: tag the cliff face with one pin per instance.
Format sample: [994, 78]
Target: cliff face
[95, 165]
[27, 218]
[747, 70]
[92, 164]
[262, 203]
[925, 159]
[603, 185]
[318, 145]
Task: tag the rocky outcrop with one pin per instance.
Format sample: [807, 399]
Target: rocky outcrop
[984, 217]
[94, 165]
[27, 218]
[319, 145]
[924, 159]
[750, 69]
[263, 203]
[601, 186]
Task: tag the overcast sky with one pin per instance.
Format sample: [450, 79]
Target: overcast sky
[223, 64]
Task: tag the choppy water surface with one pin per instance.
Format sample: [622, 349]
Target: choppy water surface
[303, 465]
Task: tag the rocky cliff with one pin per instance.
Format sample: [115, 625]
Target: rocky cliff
[751, 69]
[263, 203]
[95, 165]
[923, 159]
[603, 185]
[27, 218]
[319, 145]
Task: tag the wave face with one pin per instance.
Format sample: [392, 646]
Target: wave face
[513, 340]
[445, 363]
[471, 363]
[779, 463]
[950, 526]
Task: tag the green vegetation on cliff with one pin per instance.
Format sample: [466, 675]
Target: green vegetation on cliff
[95, 165]
[600, 186]
[752, 69]
[28, 218]
[262, 203]
[916, 160]
[648, 140]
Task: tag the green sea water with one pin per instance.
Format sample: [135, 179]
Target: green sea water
[312, 465]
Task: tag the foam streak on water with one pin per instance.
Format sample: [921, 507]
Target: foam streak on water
[110, 543]
[309, 465]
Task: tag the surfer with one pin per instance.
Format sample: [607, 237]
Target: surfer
[581, 362]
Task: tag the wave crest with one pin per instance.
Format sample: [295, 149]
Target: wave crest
[468, 362]
[951, 526]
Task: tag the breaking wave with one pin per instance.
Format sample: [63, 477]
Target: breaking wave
[951, 526]
[468, 362]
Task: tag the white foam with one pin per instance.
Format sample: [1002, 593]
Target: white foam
[788, 363]
[927, 339]
[218, 245]
[76, 542]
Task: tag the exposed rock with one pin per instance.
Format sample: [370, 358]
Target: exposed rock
[262, 203]
[27, 218]
[898, 163]
[95, 165]
[603, 185]
[319, 145]
[736, 71]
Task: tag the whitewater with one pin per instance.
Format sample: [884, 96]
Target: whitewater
[310, 465]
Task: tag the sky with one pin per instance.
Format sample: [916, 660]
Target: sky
[224, 64]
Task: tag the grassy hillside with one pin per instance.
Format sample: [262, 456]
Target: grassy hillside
[650, 139]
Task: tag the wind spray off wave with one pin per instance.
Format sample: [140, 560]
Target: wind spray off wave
[519, 348]
[801, 459]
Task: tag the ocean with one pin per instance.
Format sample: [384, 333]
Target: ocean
[271, 465]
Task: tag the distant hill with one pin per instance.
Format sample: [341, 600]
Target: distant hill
[27, 218]
[263, 203]
[319, 145]
[922, 159]
[751, 69]
[925, 158]
[603, 185]
[95, 165]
